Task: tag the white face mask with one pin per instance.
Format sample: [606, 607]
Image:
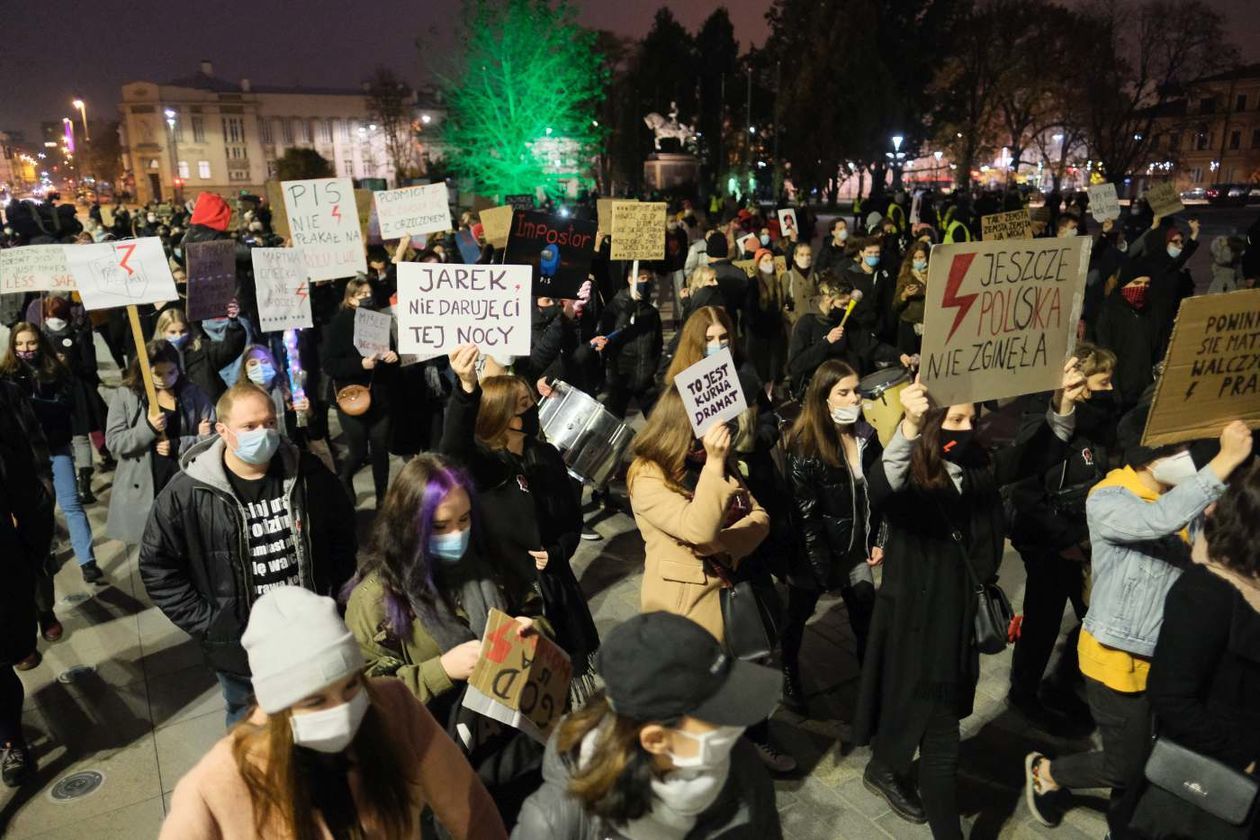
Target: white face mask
[1174, 470]
[330, 730]
[713, 748]
[846, 415]
[55, 324]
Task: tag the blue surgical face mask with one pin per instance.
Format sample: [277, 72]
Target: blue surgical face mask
[764, 238]
[216, 328]
[919, 265]
[450, 548]
[261, 373]
[178, 341]
[256, 446]
[1174, 251]
[871, 261]
[712, 349]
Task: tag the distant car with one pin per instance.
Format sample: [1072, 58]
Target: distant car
[1196, 194]
[1228, 195]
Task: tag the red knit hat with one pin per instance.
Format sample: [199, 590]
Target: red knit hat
[1170, 233]
[762, 252]
[212, 211]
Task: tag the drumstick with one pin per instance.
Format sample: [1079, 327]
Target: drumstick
[853, 302]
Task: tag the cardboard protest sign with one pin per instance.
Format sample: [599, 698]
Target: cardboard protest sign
[558, 249]
[443, 306]
[1014, 225]
[110, 274]
[638, 230]
[521, 681]
[710, 391]
[34, 268]
[1212, 370]
[1001, 316]
[275, 203]
[524, 201]
[750, 266]
[371, 332]
[603, 218]
[324, 222]
[787, 222]
[413, 210]
[1103, 203]
[1164, 199]
[496, 222]
[280, 289]
[211, 278]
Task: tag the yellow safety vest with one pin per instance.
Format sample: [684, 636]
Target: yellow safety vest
[952, 231]
[898, 217]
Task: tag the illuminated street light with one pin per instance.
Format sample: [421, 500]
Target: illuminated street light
[81, 107]
[896, 141]
[426, 119]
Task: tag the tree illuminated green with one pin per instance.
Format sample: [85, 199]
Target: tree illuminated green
[522, 98]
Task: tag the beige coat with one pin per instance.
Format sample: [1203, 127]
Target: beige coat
[212, 802]
[678, 532]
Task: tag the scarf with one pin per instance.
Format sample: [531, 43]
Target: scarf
[1248, 587]
[470, 589]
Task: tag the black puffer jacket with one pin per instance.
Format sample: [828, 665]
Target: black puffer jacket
[53, 402]
[194, 555]
[635, 350]
[831, 515]
[201, 359]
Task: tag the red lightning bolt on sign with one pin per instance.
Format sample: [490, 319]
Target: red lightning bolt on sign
[957, 271]
[500, 647]
[336, 212]
[127, 250]
[301, 291]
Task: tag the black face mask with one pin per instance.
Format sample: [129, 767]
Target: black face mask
[959, 447]
[367, 303]
[1096, 413]
[836, 315]
[546, 314]
[529, 421]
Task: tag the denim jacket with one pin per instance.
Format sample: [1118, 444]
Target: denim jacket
[1138, 553]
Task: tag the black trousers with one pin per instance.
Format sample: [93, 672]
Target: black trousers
[1052, 582]
[938, 773]
[11, 695]
[620, 391]
[367, 434]
[859, 602]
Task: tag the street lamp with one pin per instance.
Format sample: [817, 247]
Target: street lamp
[169, 113]
[896, 158]
[81, 106]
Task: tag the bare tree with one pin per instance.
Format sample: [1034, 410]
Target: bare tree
[389, 106]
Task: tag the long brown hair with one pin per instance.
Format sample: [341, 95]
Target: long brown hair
[814, 434]
[498, 407]
[907, 263]
[265, 758]
[692, 340]
[160, 351]
[664, 441]
[48, 368]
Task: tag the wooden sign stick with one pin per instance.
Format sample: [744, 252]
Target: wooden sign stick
[142, 356]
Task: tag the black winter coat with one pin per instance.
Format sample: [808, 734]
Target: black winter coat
[733, 284]
[201, 359]
[704, 296]
[1138, 338]
[809, 348]
[53, 402]
[194, 556]
[635, 352]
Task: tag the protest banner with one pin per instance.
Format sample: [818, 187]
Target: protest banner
[130, 272]
[750, 266]
[1164, 199]
[558, 249]
[325, 226]
[638, 230]
[787, 222]
[371, 331]
[1212, 370]
[275, 203]
[524, 201]
[710, 391]
[34, 268]
[413, 210]
[520, 681]
[211, 278]
[281, 290]
[1001, 317]
[1014, 225]
[603, 218]
[441, 307]
[497, 223]
[1103, 203]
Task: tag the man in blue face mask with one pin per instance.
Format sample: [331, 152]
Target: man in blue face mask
[248, 513]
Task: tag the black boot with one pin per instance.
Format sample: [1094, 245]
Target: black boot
[793, 695]
[85, 486]
[902, 797]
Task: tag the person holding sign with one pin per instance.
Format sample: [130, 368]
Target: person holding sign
[631, 341]
[659, 755]
[419, 604]
[1132, 328]
[325, 751]
[201, 357]
[938, 489]
[367, 432]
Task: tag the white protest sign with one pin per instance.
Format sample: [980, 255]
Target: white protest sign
[1000, 317]
[371, 331]
[1103, 203]
[281, 290]
[443, 306]
[110, 274]
[34, 268]
[1164, 199]
[413, 210]
[787, 222]
[323, 223]
[710, 391]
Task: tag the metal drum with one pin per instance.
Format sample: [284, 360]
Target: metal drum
[881, 399]
[591, 441]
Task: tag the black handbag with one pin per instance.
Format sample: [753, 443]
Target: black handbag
[994, 614]
[1209, 786]
[750, 619]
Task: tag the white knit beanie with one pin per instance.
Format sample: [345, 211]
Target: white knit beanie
[297, 645]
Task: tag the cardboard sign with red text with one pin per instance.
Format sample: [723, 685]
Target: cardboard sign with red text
[1000, 317]
[521, 681]
[125, 273]
[34, 268]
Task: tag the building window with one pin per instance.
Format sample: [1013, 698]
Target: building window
[1207, 105]
[1255, 138]
[234, 130]
[183, 169]
[347, 168]
[286, 133]
[345, 131]
[264, 131]
[327, 127]
[203, 170]
[303, 131]
[1201, 141]
[199, 129]
[238, 175]
[272, 169]
[1197, 174]
[1240, 102]
[1174, 141]
[1235, 139]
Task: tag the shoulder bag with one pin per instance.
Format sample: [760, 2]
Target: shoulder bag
[995, 619]
[1193, 795]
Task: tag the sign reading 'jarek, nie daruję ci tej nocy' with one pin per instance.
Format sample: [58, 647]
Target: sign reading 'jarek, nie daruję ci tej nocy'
[441, 307]
[324, 225]
[1001, 317]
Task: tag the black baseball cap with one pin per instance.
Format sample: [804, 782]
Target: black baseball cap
[659, 666]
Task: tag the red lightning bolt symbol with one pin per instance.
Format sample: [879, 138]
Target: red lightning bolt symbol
[957, 271]
[500, 647]
[336, 212]
[127, 252]
[301, 291]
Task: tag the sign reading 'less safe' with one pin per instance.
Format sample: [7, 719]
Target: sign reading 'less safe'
[1001, 317]
[34, 268]
[323, 221]
[710, 391]
[441, 307]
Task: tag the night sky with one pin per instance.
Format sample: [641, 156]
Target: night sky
[92, 49]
